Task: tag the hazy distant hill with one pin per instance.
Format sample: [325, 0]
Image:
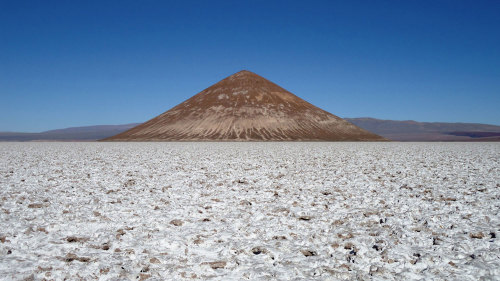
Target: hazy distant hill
[428, 131]
[88, 133]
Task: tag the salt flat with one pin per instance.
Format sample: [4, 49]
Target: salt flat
[260, 211]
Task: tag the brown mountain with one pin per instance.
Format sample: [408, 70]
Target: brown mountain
[246, 107]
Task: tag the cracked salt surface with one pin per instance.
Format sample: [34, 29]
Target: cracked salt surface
[262, 211]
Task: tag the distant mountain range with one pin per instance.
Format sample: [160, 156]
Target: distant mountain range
[87, 133]
[428, 131]
[393, 130]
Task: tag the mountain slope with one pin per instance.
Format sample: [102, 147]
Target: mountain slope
[246, 107]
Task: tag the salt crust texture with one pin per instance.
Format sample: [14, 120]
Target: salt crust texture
[259, 211]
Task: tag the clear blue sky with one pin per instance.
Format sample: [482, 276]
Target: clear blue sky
[76, 63]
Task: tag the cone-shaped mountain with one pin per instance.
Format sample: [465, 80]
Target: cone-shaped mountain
[246, 107]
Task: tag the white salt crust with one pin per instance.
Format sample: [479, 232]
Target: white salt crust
[250, 211]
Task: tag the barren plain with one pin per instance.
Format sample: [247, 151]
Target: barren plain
[250, 211]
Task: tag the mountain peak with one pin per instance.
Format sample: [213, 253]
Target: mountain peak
[244, 71]
[245, 75]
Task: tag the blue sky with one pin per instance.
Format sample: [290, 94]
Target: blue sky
[77, 63]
